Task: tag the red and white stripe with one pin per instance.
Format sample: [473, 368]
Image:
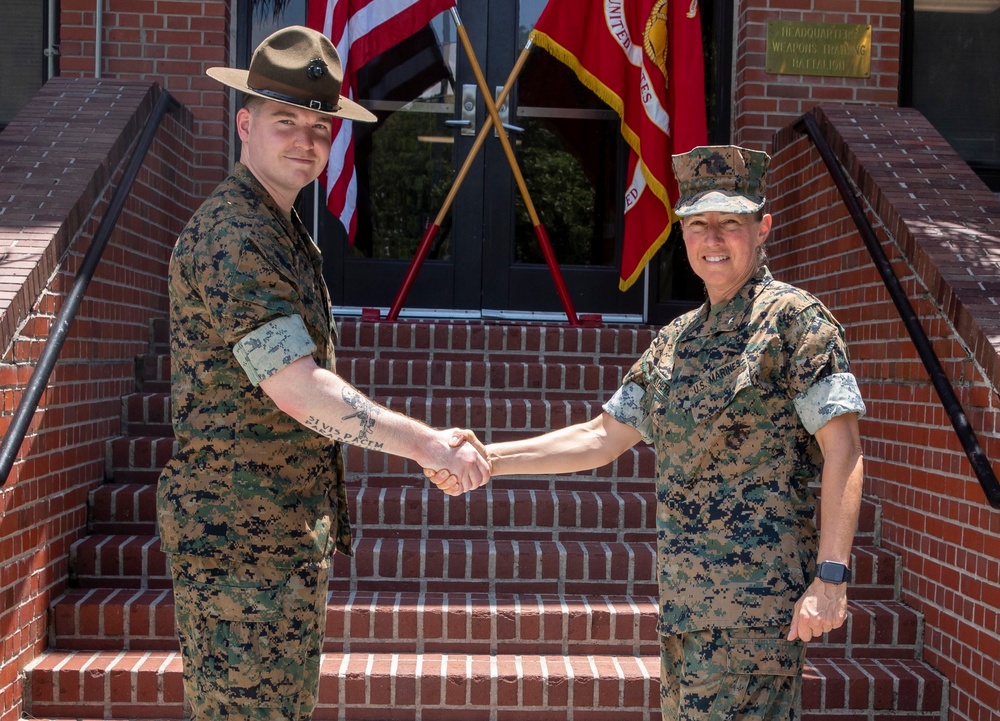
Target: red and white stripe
[360, 30]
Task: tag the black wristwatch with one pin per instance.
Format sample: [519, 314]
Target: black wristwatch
[833, 572]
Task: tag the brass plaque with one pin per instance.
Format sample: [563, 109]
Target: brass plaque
[830, 49]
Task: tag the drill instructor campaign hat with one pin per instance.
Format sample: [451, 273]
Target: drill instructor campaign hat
[296, 66]
[720, 178]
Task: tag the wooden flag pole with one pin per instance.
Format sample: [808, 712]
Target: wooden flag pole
[543, 238]
[540, 233]
[432, 228]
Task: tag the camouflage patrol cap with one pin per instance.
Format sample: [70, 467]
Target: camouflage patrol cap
[720, 178]
[296, 66]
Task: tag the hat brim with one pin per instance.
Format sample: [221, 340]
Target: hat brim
[236, 78]
[718, 201]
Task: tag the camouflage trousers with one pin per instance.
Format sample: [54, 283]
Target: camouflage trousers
[250, 638]
[737, 674]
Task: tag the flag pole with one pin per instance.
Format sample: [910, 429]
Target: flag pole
[540, 233]
[432, 228]
[543, 237]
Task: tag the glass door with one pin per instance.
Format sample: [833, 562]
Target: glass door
[573, 159]
[406, 164]
[485, 259]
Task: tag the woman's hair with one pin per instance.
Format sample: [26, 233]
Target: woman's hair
[761, 250]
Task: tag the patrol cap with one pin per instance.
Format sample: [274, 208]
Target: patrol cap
[720, 178]
[296, 66]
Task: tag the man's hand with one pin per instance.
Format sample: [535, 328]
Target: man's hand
[822, 608]
[449, 482]
[463, 466]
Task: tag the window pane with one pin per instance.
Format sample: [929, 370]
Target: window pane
[570, 153]
[956, 85]
[22, 60]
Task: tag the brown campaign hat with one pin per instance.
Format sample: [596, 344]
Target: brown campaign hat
[720, 178]
[296, 66]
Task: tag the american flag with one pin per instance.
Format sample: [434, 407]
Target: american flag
[360, 30]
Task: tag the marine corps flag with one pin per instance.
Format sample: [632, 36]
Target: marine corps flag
[360, 30]
[644, 59]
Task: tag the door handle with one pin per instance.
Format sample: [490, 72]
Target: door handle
[504, 112]
[467, 121]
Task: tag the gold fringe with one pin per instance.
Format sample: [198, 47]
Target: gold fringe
[609, 97]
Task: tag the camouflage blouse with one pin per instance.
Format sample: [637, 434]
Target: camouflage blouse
[248, 482]
[730, 396]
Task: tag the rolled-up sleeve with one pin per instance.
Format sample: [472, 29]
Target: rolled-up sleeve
[627, 406]
[831, 396]
[266, 350]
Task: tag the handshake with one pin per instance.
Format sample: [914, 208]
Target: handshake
[459, 462]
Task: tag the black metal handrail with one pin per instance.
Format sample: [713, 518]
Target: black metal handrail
[963, 429]
[57, 337]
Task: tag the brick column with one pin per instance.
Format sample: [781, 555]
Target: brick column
[765, 102]
[171, 42]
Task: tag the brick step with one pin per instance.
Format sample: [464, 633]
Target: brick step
[405, 564]
[494, 512]
[579, 380]
[388, 622]
[471, 565]
[140, 459]
[493, 419]
[556, 342]
[420, 338]
[147, 413]
[873, 688]
[461, 687]
[874, 629]
[504, 509]
[457, 342]
[152, 372]
[582, 379]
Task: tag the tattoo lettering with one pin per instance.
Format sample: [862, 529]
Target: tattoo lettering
[325, 429]
[366, 414]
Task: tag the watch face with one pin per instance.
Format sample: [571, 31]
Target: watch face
[832, 572]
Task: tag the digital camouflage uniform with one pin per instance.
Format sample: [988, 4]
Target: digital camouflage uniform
[253, 504]
[729, 396]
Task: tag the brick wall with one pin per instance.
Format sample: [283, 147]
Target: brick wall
[765, 102]
[59, 160]
[938, 224]
[171, 42]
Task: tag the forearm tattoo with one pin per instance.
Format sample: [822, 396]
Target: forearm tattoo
[366, 414]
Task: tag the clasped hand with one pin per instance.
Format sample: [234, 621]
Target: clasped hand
[459, 462]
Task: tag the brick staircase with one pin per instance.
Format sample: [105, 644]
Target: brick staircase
[532, 599]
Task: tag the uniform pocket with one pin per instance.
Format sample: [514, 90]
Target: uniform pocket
[229, 629]
[229, 599]
[761, 679]
[764, 656]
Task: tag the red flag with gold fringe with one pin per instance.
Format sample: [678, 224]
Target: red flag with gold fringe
[644, 58]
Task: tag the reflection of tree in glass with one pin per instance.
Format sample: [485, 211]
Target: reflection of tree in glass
[264, 9]
[410, 178]
[563, 198]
